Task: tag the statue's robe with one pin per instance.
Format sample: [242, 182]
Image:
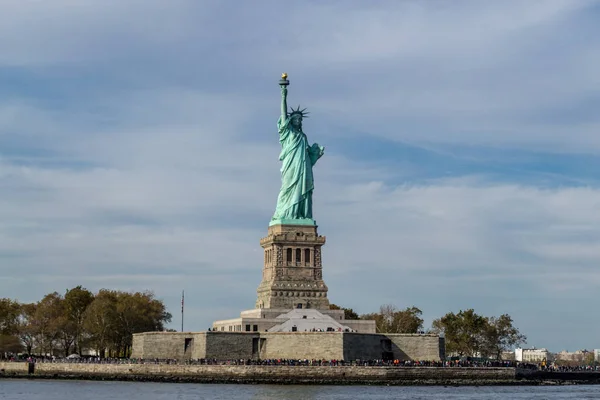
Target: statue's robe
[297, 184]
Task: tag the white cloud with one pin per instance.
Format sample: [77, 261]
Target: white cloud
[42, 33]
[418, 29]
[476, 72]
[458, 225]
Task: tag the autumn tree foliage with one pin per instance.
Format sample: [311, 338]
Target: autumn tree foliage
[9, 317]
[114, 316]
[62, 325]
[390, 319]
[77, 300]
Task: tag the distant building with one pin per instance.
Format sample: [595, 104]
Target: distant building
[576, 356]
[597, 355]
[532, 355]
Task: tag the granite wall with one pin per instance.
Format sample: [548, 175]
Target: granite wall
[176, 345]
[230, 345]
[303, 345]
[416, 347]
[265, 374]
[288, 345]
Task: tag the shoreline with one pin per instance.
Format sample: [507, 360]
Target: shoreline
[283, 382]
[297, 375]
[308, 382]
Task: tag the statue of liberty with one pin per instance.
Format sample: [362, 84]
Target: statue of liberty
[294, 204]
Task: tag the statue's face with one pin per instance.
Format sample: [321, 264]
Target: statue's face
[297, 121]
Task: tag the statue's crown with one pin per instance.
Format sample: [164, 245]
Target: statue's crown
[298, 111]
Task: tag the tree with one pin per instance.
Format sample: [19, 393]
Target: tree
[468, 333]
[9, 344]
[588, 358]
[106, 321]
[9, 315]
[9, 327]
[100, 320]
[500, 335]
[391, 320]
[48, 322]
[348, 312]
[138, 312]
[463, 331]
[26, 329]
[113, 317]
[67, 331]
[77, 301]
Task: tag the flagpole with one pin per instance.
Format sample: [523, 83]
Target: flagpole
[182, 299]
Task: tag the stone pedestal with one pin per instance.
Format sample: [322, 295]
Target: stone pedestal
[292, 273]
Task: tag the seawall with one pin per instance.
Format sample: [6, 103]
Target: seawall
[280, 374]
[343, 375]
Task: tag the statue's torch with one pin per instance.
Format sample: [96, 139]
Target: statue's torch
[284, 81]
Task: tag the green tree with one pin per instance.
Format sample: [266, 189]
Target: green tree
[26, 328]
[9, 344]
[113, 317]
[468, 333]
[9, 327]
[463, 332]
[77, 301]
[390, 319]
[49, 322]
[138, 312]
[67, 331]
[100, 321]
[9, 315]
[500, 335]
[348, 312]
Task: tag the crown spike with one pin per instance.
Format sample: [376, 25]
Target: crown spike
[298, 111]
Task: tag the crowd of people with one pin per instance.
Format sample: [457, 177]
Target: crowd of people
[570, 368]
[455, 363]
[270, 362]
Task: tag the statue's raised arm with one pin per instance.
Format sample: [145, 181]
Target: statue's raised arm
[283, 83]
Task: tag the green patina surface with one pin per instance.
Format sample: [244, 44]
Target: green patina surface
[286, 221]
[294, 203]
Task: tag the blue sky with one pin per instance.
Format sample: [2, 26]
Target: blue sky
[138, 150]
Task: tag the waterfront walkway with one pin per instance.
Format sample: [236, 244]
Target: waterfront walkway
[276, 362]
